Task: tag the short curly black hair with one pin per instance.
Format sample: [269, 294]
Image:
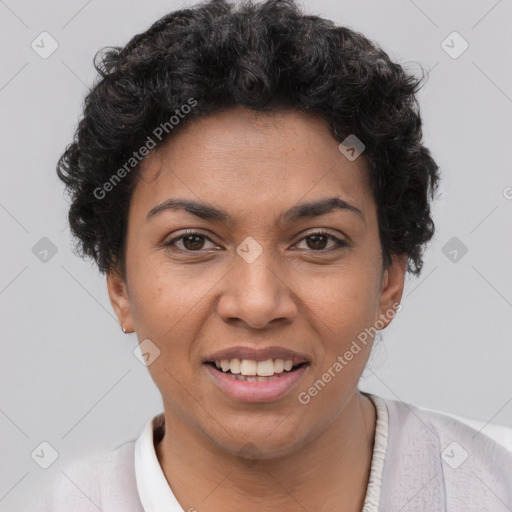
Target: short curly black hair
[218, 54]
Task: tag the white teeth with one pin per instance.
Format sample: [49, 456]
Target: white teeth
[253, 379]
[234, 366]
[265, 368]
[278, 365]
[248, 367]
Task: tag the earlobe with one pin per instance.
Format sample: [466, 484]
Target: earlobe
[120, 300]
[392, 289]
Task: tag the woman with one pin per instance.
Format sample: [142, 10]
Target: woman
[253, 184]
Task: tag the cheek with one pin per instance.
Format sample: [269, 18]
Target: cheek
[170, 308]
[346, 300]
[344, 307]
[168, 311]
[163, 299]
[342, 313]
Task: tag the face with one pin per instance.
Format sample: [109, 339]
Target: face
[275, 261]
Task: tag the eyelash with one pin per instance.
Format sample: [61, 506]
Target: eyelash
[339, 243]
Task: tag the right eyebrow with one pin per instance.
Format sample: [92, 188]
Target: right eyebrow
[202, 210]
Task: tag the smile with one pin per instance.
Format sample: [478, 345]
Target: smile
[248, 380]
[250, 370]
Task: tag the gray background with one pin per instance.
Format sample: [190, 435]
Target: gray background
[69, 376]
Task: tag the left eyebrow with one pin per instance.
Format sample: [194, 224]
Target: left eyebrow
[318, 208]
[294, 214]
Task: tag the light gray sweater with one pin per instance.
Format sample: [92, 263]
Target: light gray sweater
[422, 462]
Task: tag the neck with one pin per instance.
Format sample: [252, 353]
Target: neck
[329, 473]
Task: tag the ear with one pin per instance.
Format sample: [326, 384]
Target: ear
[120, 298]
[391, 289]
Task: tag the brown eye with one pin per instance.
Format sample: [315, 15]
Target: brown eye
[193, 242]
[190, 242]
[319, 242]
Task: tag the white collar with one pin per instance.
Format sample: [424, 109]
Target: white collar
[154, 492]
[156, 495]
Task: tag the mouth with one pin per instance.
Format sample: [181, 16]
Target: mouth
[250, 370]
[245, 374]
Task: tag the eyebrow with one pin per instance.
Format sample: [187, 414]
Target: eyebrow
[294, 214]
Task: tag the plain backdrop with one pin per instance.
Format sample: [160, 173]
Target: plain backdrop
[68, 374]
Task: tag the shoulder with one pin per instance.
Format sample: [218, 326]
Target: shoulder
[104, 482]
[449, 463]
[457, 439]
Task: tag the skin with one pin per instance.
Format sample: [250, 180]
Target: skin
[300, 293]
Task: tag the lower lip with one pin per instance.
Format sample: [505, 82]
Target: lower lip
[243, 391]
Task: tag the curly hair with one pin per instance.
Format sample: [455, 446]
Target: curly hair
[218, 55]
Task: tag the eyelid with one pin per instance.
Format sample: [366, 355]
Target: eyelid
[319, 231]
[188, 232]
[340, 242]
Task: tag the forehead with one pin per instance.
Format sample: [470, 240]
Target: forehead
[249, 159]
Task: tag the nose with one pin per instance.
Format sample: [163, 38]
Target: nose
[256, 294]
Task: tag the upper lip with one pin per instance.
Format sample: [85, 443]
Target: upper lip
[257, 354]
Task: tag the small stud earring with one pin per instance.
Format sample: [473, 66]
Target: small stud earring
[122, 327]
